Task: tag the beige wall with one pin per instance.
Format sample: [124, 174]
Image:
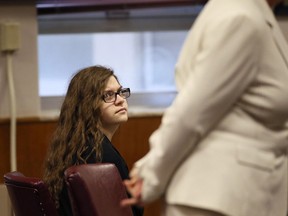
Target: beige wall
[24, 63]
[5, 205]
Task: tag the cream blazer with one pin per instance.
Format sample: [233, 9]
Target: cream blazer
[222, 144]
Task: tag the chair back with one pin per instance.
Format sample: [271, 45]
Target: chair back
[28, 195]
[96, 190]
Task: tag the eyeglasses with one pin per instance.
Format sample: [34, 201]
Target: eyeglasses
[110, 96]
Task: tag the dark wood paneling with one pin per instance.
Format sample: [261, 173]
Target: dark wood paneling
[32, 142]
[131, 139]
[4, 149]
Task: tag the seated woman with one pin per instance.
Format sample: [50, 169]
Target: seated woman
[94, 107]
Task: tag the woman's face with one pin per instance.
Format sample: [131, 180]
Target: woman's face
[113, 114]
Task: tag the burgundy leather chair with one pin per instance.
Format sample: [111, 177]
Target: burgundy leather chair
[96, 190]
[28, 195]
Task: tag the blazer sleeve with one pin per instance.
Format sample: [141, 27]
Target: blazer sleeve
[224, 66]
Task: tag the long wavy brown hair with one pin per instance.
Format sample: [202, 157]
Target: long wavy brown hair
[79, 120]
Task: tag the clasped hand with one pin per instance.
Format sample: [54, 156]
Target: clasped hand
[134, 187]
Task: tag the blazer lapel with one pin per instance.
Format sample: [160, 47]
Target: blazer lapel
[279, 39]
[280, 42]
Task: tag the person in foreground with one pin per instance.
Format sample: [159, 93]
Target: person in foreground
[221, 148]
[94, 107]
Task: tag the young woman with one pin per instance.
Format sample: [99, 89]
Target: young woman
[94, 107]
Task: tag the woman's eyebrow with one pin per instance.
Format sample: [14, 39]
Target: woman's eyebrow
[110, 89]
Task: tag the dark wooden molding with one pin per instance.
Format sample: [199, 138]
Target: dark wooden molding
[45, 7]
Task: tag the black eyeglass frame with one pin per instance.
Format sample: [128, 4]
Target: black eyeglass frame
[123, 93]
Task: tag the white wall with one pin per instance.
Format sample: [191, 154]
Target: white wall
[24, 63]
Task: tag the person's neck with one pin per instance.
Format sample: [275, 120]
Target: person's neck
[109, 136]
[109, 132]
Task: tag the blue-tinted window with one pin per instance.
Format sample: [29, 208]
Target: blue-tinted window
[143, 61]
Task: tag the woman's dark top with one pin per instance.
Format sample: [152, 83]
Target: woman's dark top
[109, 155]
